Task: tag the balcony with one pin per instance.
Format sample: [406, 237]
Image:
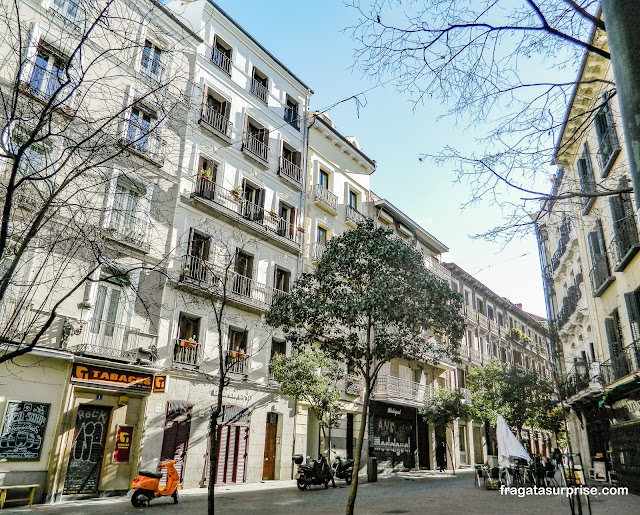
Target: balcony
[232, 205]
[16, 316]
[354, 217]
[221, 60]
[259, 90]
[393, 388]
[69, 11]
[290, 172]
[626, 362]
[256, 149]
[436, 268]
[216, 123]
[600, 275]
[128, 231]
[317, 251]
[608, 150]
[570, 301]
[475, 356]
[187, 355]
[237, 362]
[205, 277]
[108, 339]
[565, 231]
[625, 243]
[576, 381]
[483, 321]
[325, 199]
[353, 384]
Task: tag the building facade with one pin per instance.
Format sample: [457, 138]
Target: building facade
[588, 246]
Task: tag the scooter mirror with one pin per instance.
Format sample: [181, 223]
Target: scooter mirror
[156, 459]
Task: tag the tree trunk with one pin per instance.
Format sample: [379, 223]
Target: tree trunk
[213, 426]
[356, 464]
[620, 17]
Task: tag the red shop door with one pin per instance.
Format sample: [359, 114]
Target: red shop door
[176, 436]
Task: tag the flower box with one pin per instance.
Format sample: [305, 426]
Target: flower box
[189, 344]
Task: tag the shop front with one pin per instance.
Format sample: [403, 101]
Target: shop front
[392, 434]
[99, 438]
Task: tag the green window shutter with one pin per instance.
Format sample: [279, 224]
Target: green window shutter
[617, 213]
[593, 245]
[613, 336]
[602, 248]
[588, 165]
[633, 310]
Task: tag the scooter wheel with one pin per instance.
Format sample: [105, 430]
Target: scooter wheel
[135, 499]
[302, 484]
[175, 497]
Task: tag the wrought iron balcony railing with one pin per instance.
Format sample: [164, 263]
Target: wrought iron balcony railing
[323, 196]
[354, 216]
[625, 362]
[256, 148]
[221, 60]
[600, 275]
[259, 90]
[625, 242]
[187, 354]
[291, 171]
[217, 122]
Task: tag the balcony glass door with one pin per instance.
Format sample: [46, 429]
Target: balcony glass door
[107, 313]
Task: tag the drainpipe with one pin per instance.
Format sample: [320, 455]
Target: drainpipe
[305, 155]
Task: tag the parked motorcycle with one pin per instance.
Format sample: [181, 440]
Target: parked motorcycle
[147, 485]
[314, 472]
[343, 468]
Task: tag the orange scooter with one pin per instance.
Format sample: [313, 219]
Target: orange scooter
[147, 485]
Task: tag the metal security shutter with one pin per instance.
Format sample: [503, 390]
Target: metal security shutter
[175, 441]
[613, 336]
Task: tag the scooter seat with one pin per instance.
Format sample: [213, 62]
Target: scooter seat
[150, 474]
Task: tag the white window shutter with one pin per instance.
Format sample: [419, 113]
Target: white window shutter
[111, 195]
[131, 96]
[147, 205]
[31, 53]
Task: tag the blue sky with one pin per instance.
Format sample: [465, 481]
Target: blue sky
[309, 38]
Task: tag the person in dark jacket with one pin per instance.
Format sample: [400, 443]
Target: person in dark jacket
[441, 456]
[556, 455]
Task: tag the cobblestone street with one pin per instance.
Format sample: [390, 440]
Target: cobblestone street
[423, 492]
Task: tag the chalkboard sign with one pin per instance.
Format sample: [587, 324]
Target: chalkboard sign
[23, 430]
[85, 461]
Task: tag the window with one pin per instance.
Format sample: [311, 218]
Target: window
[256, 141]
[197, 258]
[244, 273]
[68, 9]
[490, 312]
[632, 300]
[35, 160]
[237, 356]
[291, 113]
[151, 63]
[290, 164]
[237, 340]
[282, 280]
[216, 113]
[500, 319]
[607, 138]
[323, 179]
[129, 209]
[260, 85]
[600, 271]
[467, 298]
[221, 55]
[321, 235]
[624, 224]
[253, 207]
[142, 122]
[107, 312]
[207, 176]
[587, 179]
[48, 72]
[287, 221]
[353, 200]
[278, 348]
[614, 338]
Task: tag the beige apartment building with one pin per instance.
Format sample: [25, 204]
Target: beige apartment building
[588, 248]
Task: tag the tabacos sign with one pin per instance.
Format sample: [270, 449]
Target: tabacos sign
[111, 377]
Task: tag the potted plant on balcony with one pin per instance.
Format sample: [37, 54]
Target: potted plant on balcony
[190, 343]
[236, 193]
[206, 175]
[301, 229]
[238, 354]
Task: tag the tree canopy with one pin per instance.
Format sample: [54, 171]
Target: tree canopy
[370, 300]
[311, 376]
[520, 396]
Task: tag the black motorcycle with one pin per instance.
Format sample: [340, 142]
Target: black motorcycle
[343, 468]
[314, 472]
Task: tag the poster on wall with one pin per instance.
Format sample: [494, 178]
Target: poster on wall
[124, 438]
[23, 430]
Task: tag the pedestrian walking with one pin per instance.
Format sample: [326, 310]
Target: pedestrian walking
[441, 456]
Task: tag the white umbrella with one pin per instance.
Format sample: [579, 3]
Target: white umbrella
[508, 445]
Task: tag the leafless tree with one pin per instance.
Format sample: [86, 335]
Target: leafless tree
[482, 58]
[82, 95]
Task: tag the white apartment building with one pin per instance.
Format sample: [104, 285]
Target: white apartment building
[237, 238]
[104, 175]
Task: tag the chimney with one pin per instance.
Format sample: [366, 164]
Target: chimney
[519, 306]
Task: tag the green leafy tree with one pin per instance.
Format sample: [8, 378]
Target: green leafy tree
[520, 396]
[370, 300]
[442, 409]
[310, 375]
